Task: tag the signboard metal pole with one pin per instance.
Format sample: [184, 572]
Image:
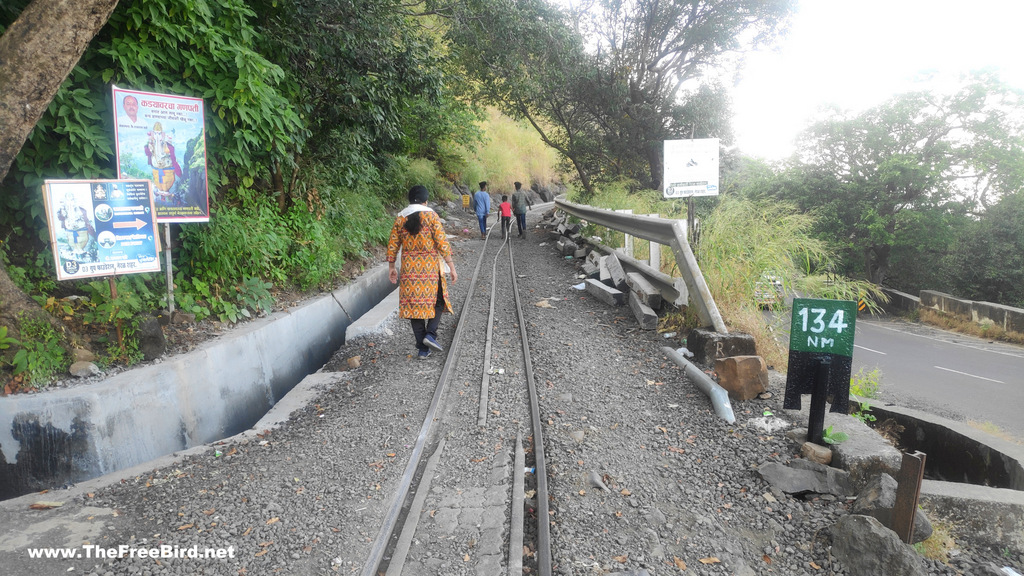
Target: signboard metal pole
[113, 297]
[170, 273]
[691, 218]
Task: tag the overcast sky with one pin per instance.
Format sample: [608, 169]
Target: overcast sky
[857, 53]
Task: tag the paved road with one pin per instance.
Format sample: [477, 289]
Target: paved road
[952, 375]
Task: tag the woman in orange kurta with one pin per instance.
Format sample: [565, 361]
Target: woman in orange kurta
[423, 292]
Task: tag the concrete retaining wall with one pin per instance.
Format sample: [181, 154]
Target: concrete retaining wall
[900, 302]
[219, 389]
[1006, 317]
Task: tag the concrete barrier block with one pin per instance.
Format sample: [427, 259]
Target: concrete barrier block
[707, 345]
[1015, 319]
[603, 274]
[644, 290]
[590, 270]
[900, 301]
[647, 318]
[618, 275]
[982, 312]
[957, 307]
[604, 293]
[932, 299]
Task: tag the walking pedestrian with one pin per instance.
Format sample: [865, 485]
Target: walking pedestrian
[423, 293]
[506, 216]
[482, 201]
[520, 204]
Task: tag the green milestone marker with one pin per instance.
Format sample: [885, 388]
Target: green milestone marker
[823, 326]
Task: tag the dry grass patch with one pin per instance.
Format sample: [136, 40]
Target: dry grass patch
[939, 544]
[987, 330]
[993, 430]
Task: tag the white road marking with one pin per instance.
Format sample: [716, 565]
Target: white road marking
[961, 344]
[869, 349]
[971, 375]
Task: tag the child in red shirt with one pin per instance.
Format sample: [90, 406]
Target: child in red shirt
[506, 216]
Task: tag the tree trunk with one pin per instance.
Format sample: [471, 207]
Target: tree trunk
[15, 306]
[656, 166]
[37, 53]
[876, 263]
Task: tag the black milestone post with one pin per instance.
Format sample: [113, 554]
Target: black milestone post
[816, 422]
[820, 358]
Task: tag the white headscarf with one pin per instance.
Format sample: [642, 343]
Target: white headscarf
[411, 208]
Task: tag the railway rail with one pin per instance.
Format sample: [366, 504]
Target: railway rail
[501, 371]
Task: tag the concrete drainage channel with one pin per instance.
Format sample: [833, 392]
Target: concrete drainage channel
[972, 479]
[215, 391]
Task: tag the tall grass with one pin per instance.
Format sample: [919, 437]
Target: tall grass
[742, 242]
[511, 152]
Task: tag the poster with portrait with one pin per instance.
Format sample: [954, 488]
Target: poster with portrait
[101, 227]
[691, 168]
[161, 138]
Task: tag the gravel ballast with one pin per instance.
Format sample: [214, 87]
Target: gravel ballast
[644, 477]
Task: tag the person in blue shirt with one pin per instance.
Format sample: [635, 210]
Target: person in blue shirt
[482, 201]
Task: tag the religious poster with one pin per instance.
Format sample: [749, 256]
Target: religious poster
[691, 168]
[161, 138]
[101, 227]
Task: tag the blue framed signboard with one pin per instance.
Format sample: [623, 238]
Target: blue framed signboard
[101, 227]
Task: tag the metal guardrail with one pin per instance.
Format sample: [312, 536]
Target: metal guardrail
[668, 232]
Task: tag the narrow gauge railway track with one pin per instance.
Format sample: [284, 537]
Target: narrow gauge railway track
[485, 397]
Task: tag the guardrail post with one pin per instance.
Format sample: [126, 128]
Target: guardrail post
[627, 241]
[700, 294]
[655, 250]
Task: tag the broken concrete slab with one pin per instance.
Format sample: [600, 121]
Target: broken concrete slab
[647, 318]
[616, 273]
[605, 293]
[803, 477]
[644, 290]
[589, 269]
[566, 247]
[864, 454]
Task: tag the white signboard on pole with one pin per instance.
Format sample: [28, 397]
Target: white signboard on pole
[691, 168]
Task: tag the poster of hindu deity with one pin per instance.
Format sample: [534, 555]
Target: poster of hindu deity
[101, 227]
[161, 137]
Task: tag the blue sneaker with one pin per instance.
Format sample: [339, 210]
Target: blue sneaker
[429, 341]
[423, 354]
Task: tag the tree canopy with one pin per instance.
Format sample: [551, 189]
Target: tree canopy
[887, 176]
[626, 76]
